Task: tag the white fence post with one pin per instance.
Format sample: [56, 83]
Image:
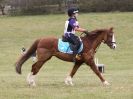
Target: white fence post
[99, 66]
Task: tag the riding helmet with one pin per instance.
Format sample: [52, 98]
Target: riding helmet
[72, 11]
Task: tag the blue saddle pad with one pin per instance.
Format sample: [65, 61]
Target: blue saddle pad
[64, 47]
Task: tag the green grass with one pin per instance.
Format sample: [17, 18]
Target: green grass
[19, 31]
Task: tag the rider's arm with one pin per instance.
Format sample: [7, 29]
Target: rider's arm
[79, 29]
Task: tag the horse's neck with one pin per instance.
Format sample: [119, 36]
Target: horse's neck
[98, 40]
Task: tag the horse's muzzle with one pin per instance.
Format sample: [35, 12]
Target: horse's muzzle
[113, 46]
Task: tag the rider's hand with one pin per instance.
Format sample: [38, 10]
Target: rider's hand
[86, 32]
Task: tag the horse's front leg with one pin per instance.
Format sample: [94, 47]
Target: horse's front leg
[68, 80]
[93, 66]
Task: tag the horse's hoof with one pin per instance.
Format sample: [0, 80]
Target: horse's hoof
[105, 83]
[68, 81]
[31, 80]
[32, 84]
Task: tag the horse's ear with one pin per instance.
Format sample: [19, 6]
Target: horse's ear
[111, 29]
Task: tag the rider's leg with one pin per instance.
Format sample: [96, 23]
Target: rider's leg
[76, 45]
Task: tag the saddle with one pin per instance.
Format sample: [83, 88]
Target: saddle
[66, 47]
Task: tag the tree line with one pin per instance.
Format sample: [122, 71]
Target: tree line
[60, 6]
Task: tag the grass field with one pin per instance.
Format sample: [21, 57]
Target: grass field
[19, 31]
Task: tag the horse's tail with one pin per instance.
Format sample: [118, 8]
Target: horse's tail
[26, 56]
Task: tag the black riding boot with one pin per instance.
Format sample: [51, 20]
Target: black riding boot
[76, 55]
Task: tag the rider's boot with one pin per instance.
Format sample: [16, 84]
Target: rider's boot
[76, 57]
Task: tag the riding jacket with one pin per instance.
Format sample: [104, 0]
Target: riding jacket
[70, 24]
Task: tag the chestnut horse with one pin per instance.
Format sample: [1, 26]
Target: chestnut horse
[47, 47]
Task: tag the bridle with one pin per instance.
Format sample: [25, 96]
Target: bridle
[109, 39]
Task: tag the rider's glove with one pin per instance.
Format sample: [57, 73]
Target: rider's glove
[86, 32]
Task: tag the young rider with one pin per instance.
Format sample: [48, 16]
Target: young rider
[71, 25]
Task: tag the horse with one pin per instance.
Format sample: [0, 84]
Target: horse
[47, 47]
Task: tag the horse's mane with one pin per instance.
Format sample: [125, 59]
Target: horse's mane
[96, 32]
[93, 34]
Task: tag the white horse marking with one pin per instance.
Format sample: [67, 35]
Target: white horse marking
[113, 40]
[31, 79]
[105, 83]
[68, 81]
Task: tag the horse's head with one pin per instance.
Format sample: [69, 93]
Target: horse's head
[109, 38]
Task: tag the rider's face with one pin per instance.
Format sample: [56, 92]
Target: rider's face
[76, 14]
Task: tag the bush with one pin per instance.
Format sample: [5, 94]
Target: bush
[58, 6]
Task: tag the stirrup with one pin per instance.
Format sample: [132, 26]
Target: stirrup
[78, 56]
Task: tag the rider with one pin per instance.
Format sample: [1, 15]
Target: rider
[71, 25]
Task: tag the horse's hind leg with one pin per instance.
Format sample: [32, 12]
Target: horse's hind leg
[43, 56]
[35, 69]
